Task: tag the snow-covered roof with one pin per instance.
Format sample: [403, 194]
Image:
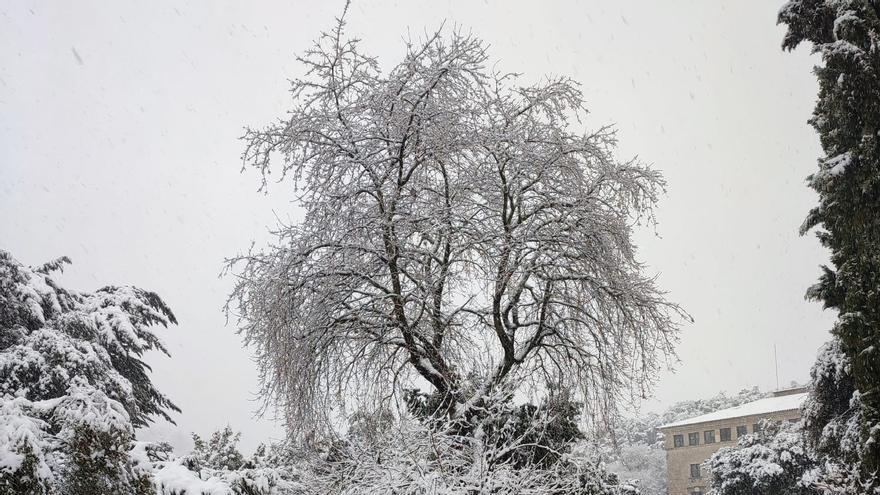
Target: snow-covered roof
[761, 406]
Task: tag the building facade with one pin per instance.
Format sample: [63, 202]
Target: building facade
[691, 442]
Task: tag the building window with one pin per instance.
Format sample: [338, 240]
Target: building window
[693, 439]
[678, 440]
[741, 431]
[709, 436]
[756, 427]
[695, 471]
[725, 434]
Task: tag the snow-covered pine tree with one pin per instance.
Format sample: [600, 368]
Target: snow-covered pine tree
[842, 417]
[72, 383]
[51, 334]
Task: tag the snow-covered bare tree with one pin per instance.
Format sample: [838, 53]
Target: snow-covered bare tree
[413, 458]
[460, 230]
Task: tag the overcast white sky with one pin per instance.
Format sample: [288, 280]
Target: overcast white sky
[118, 147]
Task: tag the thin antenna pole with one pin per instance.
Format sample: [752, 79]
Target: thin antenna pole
[776, 365]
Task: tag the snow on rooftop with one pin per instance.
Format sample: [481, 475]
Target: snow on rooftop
[761, 406]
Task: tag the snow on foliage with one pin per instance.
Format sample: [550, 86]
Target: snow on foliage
[817, 455]
[383, 453]
[832, 424]
[72, 384]
[412, 458]
[842, 419]
[51, 335]
[219, 452]
[76, 443]
[24, 443]
[73, 388]
[771, 462]
[216, 467]
[174, 478]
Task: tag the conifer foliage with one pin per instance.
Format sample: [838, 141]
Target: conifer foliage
[842, 418]
[772, 461]
[73, 385]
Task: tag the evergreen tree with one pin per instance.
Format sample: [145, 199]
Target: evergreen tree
[772, 461]
[215, 466]
[843, 415]
[73, 386]
[219, 452]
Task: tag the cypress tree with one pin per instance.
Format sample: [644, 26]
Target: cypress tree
[843, 414]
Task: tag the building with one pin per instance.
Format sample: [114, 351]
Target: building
[690, 442]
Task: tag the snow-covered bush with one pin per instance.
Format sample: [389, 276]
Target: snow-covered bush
[216, 467]
[632, 446]
[412, 458]
[96, 436]
[174, 478]
[773, 461]
[78, 443]
[544, 432]
[832, 424]
[72, 383]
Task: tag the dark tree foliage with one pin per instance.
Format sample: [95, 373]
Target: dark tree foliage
[846, 395]
[558, 418]
[100, 464]
[545, 431]
[52, 334]
[461, 232]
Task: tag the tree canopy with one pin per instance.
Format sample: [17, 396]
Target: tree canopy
[461, 231]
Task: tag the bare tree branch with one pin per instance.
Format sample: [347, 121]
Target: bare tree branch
[448, 214]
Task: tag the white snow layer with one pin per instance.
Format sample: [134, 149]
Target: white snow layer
[761, 406]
